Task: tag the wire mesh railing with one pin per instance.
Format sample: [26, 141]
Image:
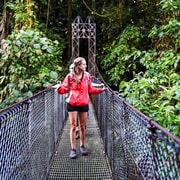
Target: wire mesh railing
[29, 132]
[137, 147]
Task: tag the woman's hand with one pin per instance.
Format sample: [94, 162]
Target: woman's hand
[104, 88]
[97, 85]
[56, 86]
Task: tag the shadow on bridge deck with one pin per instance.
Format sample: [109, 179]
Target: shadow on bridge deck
[93, 166]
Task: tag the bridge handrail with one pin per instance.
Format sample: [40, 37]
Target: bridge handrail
[29, 134]
[137, 146]
[153, 123]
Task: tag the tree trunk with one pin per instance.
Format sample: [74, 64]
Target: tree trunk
[69, 27]
[3, 25]
[29, 9]
[47, 17]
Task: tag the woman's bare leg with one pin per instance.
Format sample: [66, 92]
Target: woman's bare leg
[82, 124]
[77, 129]
[73, 119]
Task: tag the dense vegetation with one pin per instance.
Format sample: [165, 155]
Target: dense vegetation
[137, 48]
[145, 63]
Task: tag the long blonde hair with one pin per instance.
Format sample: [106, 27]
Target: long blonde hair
[77, 70]
[77, 62]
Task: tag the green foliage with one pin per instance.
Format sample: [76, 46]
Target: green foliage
[167, 35]
[24, 16]
[29, 62]
[122, 61]
[153, 85]
[138, 45]
[157, 91]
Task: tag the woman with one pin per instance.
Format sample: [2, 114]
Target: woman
[79, 85]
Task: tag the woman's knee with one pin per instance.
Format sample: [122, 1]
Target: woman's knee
[82, 126]
[73, 126]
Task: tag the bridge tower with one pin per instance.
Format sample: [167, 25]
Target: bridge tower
[84, 30]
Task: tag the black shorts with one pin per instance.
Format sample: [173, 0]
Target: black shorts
[71, 108]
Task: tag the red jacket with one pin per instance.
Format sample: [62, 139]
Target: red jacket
[78, 93]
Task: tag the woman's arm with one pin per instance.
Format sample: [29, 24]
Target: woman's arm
[95, 88]
[64, 87]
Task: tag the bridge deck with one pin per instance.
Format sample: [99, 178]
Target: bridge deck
[93, 166]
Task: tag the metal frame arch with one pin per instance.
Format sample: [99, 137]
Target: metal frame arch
[84, 30]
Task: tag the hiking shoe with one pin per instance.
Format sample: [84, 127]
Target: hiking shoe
[77, 134]
[83, 150]
[73, 154]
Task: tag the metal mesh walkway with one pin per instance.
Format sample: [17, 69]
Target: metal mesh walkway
[93, 166]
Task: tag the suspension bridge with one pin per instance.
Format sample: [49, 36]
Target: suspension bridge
[123, 143]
